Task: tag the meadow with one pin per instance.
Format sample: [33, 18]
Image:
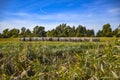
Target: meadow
[47, 60]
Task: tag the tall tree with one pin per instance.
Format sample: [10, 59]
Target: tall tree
[72, 32]
[1, 35]
[6, 33]
[116, 32]
[14, 32]
[81, 31]
[28, 33]
[99, 33]
[60, 30]
[39, 31]
[90, 33]
[107, 31]
[23, 30]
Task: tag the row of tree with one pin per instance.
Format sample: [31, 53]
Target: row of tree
[62, 30]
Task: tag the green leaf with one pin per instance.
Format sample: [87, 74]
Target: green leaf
[114, 74]
[102, 68]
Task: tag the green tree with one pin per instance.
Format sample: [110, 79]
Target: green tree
[99, 33]
[1, 35]
[81, 31]
[69, 31]
[14, 32]
[52, 33]
[60, 30]
[72, 32]
[28, 33]
[116, 32]
[107, 31]
[23, 30]
[39, 31]
[48, 34]
[6, 33]
[90, 33]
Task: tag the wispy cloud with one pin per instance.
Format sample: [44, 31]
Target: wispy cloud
[30, 24]
[50, 13]
[115, 11]
[50, 21]
[49, 17]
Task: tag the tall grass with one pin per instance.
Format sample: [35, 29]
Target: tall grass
[59, 60]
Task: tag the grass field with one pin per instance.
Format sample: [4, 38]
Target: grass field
[43, 60]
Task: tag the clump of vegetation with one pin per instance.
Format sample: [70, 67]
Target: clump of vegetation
[59, 60]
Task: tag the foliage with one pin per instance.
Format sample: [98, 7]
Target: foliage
[63, 30]
[106, 31]
[39, 31]
[23, 31]
[116, 32]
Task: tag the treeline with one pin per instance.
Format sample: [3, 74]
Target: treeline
[62, 30]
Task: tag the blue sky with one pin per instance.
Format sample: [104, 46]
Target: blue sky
[50, 13]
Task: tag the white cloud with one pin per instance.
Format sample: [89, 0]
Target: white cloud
[57, 16]
[115, 11]
[24, 23]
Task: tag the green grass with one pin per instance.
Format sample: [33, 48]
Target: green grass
[59, 60]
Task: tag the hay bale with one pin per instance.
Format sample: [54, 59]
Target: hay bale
[40, 38]
[55, 39]
[22, 39]
[85, 39]
[95, 40]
